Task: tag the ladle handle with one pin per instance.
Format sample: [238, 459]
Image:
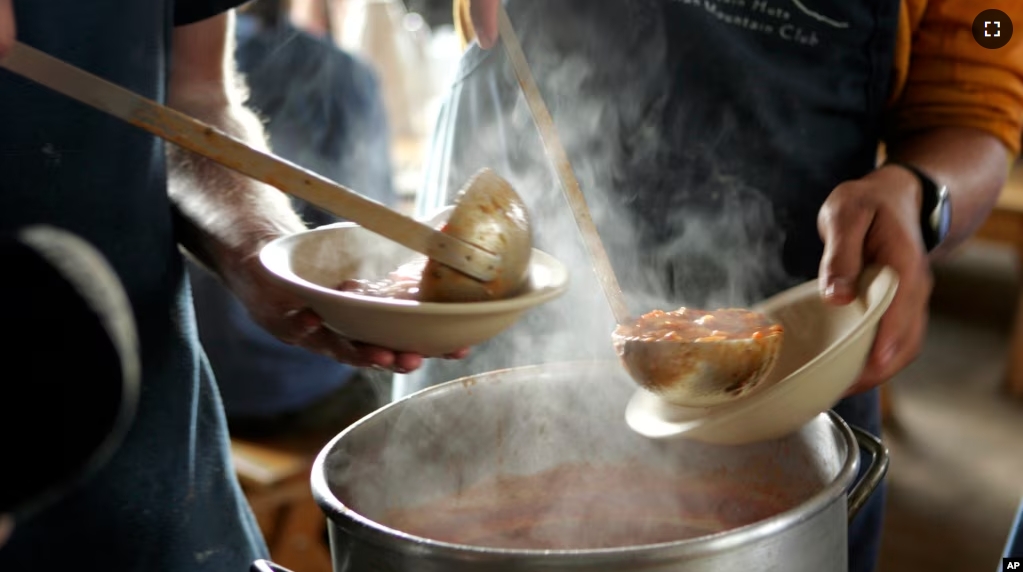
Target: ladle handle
[205, 140]
[559, 159]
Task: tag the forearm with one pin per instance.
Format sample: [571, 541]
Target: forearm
[974, 165]
[223, 215]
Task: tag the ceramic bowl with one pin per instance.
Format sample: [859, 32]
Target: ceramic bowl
[823, 353]
[313, 263]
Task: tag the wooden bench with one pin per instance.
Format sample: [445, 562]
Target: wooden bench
[1005, 225]
[275, 478]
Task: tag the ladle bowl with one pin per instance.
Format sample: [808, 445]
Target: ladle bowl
[825, 349]
[699, 373]
[488, 214]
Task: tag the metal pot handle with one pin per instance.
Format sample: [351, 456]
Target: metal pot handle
[862, 490]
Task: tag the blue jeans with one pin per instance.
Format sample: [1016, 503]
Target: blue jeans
[1014, 546]
[864, 411]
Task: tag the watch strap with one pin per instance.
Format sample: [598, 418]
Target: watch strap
[930, 195]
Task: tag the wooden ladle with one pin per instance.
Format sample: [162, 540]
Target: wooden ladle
[689, 369]
[465, 267]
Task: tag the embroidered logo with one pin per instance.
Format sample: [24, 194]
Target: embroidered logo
[790, 20]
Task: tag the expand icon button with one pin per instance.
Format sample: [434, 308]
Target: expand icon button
[992, 29]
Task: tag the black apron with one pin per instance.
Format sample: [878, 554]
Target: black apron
[168, 499]
[705, 136]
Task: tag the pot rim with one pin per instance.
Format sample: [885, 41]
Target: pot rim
[368, 530]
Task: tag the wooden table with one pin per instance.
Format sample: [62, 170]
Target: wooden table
[275, 479]
[1005, 225]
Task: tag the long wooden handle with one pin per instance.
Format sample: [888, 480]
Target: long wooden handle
[559, 159]
[209, 142]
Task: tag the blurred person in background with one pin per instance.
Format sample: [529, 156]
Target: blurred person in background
[739, 141]
[323, 111]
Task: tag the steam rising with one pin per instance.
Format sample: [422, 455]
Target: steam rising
[441, 445]
[680, 226]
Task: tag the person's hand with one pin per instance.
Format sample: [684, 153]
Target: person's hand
[7, 29]
[875, 220]
[285, 316]
[484, 21]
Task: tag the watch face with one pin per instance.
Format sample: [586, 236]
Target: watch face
[941, 217]
[944, 213]
[935, 209]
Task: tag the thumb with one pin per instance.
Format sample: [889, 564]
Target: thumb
[843, 231]
[484, 21]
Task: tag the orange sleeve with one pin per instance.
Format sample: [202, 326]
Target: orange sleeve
[910, 12]
[943, 78]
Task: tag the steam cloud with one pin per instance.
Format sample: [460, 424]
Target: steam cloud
[680, 227]
[693, 235]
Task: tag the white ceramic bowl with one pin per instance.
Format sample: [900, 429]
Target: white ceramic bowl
[823, 353]
[312, 263]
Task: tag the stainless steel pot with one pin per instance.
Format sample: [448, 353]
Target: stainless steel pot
[523, 421]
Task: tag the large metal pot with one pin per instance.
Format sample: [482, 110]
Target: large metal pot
[427, 449]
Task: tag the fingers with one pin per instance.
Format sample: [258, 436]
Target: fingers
[406, 362]
[460, 354]
[277, 313]
[875, 220]
[900, 334]
[291, 327]
[484, 21]
[882, 366]
[7, 29]
[843, 223]
[328, 343]
[281, 314]
[304, 328]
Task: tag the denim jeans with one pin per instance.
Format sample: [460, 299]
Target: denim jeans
[864, 411]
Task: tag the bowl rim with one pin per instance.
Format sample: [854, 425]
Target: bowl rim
[274, 258]
[718, 415]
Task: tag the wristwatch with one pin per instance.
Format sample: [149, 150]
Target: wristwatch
[935, 208]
